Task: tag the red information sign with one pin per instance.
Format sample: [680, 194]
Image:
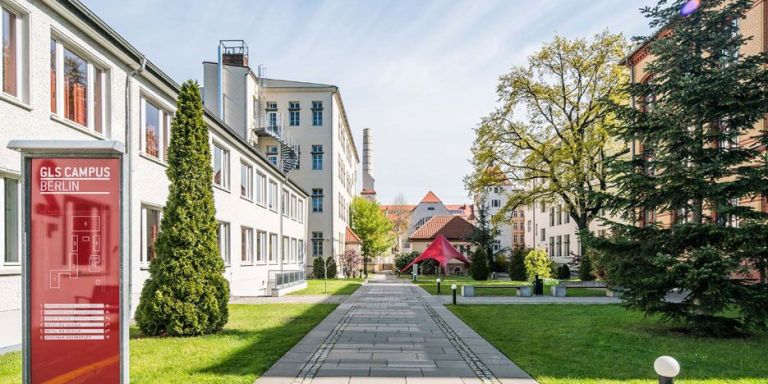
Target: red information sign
[74, 270]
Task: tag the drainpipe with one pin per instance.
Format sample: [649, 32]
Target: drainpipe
[129, 150]
[628, 59]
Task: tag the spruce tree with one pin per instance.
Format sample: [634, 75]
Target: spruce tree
[585, 267]
[186, 293]
[478, 268]
[698, 159]
[517, 270]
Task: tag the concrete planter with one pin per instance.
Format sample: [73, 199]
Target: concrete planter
[558, 291]
[525, 291]
[468, 290]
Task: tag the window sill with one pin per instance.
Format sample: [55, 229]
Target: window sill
[15, 101]
[153, 159]
[10, 270]
[144, 266]
[247, 265]
[219, 187]
[76, 126]
[246, 199]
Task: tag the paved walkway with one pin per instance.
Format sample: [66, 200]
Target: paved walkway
[395, 333]
[305, 299]
[446, 299]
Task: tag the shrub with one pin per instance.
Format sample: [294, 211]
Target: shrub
[517, 269]
[331, 267]
[186, 293]
[478, 268]
[537, 262]
[404, 259]
[563, 272]
[586, 267]
[317, 268]
[428, 267]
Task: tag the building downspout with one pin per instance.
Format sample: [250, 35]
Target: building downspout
[129, 151]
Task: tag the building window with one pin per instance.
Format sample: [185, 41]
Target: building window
[317, 199]
[552, 216]
[294, 251]
[285, 249]
[11, 221]
[551, 246]
[294, 110]
[156, 130]
[272, 155]
[543, 234]
[272, 196]
[559, 214]
[246, 181]
[529, 225]
[543, 207]
[300, 213]
[246, 245]
[317, 157]
[223, 239]
[150, 222]
[495, 203]
[317, 244]
[261, 188]
[297, 148]
[261, 246]
[82, 87]
[9, 23]
[284, 197]
[317, 113]
[559, 246]
[272, 248]
[567, 242]
[568, 216]
[302, 254]
[220, 166]
[294, 208]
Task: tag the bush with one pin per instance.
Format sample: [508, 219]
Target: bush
[186, 293]
[586, 267]
[563, 272]
[478, 268]
[331, 267]
[428, 267]
[404, 259]
[537, 262]
[318, 269]
[501, 262]
[517, 271]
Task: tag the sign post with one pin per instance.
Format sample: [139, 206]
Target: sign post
[75, 266]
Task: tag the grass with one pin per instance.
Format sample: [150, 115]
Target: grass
[254, 339]
[430, 285]
[590, 344]
[335, 287]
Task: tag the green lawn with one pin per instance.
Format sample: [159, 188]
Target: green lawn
[335, 287]
[590, 344]
[430, 285]
[255, 337]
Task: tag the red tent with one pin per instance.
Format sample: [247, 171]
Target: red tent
[441, 250]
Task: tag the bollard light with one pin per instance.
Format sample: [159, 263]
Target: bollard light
[667, 368]
[438, 285]
[453, 288]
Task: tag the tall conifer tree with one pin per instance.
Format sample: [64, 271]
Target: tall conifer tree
[698, 157]
[186, 293]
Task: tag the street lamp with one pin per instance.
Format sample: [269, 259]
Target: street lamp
[667, 368]
[453, 288]
[438, 285]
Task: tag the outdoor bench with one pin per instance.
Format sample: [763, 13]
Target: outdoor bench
[469, 290]
[561, 290]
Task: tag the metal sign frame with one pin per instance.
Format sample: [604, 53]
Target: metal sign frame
[31, 149]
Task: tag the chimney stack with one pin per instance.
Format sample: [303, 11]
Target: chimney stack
[368, 189]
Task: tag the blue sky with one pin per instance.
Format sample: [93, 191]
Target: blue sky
[420, 73]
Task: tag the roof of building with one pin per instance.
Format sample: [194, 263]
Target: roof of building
[467, 211]
[430, 197]
[452, 227]
[279, 83]
[352, 237]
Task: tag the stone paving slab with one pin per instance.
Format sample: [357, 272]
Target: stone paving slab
[393, 332]
[447, 299]
[299, 299]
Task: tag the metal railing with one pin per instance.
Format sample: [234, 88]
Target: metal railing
[284, 279]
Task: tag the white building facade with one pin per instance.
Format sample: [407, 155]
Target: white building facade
[302, 128]
[69, 76]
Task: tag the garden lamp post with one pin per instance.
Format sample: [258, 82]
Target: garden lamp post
[438, 285]
[667, 368]
[453, 288]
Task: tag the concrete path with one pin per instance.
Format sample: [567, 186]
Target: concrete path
[446, 299]
[306, 299]
[395, 333]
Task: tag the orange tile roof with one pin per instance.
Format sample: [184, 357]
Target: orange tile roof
[352, 237]
[452, 227]
[430, 197]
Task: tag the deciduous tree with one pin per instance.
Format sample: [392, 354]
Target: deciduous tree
[372, 226]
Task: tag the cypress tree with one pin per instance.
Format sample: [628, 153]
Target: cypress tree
[517, 271]
[186, 293]
[478, 268]
[700, 159]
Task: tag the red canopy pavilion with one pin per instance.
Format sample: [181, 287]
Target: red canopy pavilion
[440, 250]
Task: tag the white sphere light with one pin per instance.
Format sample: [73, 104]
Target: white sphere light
[438, 280]
[453, 286]
[666, 366]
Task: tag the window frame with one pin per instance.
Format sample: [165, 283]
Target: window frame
[261, 188]
[246, 254]
[226, 177]
[248, 183]
[144, 260]
[317, 113]
[20, 29]
[164, 118]
[225, 241]
[272, 253]
[19, 230]
[262, 247]
[272, 200]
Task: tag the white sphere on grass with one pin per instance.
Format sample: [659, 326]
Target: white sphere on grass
[666, 366]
